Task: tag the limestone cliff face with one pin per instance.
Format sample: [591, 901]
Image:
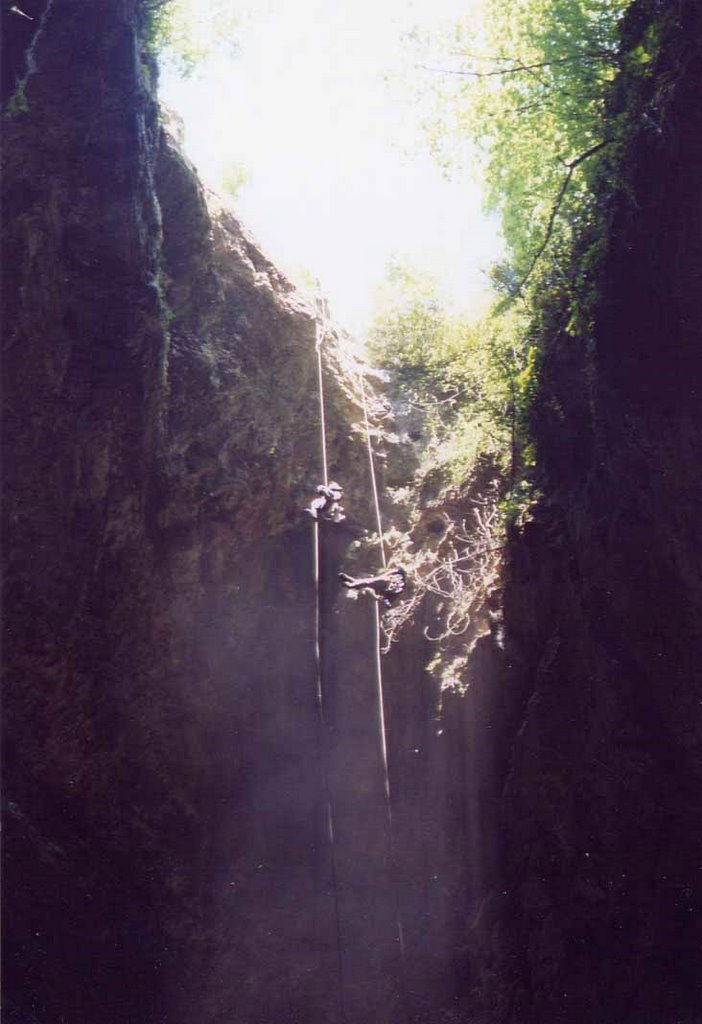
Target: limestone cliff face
[592, 801]
[166, 855]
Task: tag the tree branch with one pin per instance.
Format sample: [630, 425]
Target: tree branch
[557, 203]
[515, 69]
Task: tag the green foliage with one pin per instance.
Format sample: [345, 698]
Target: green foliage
[471, 379]
[529, 88]
[306, 281]
[184, 33]
[409, 330]
[235, 178]
[518, 505]
[18, 103]
[535, 91]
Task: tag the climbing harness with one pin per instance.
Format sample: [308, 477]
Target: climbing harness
[321, 332]
[386, 587]
[326, 504]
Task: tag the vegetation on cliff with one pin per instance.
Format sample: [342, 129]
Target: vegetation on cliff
[595, 795]
[185, 33]
[551, 92]
[530, 88]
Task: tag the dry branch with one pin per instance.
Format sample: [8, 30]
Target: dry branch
[461, 578]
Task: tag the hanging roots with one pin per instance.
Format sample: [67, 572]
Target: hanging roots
[454, 585]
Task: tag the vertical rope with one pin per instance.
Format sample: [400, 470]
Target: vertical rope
[374, 485]
[322, 417]
[381, 702]
[321, 332]
[388, 798]
[325, 770]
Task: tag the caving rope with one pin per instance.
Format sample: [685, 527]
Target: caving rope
[374, 484]
[321, 334]
[381, 699]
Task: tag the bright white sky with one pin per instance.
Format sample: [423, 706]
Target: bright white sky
[340, 177]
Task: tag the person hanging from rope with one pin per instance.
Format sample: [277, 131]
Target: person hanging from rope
[386, 586]
[326, 505]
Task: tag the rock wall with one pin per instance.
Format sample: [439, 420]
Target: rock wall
[166, 774]
[592, 804]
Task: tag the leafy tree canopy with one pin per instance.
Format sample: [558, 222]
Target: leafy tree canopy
[469, 376]
[527, 84]
[235, 178]
[186, 32]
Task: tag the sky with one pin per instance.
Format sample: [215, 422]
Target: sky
[341, 180]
